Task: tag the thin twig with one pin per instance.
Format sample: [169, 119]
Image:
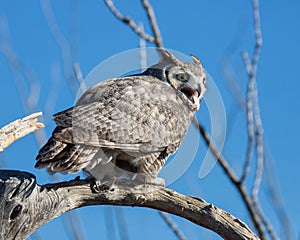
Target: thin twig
[252, 96]
[221, 160]
[73, 40]
[260, 152]
[121, 223]
[23, 76]
[62, 43]
[250, 124]
[255, 112]
[77, 72]
[127, 20]
[73, 224]
[153, 23]
[229, 75]
[259, 146]
[265, 221]
[172, 225]
[143, 53]
[52, 91]
[230, 79]
[253, 99]
[110, 223]
[273, 190]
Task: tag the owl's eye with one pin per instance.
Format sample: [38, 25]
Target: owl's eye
[182, 77]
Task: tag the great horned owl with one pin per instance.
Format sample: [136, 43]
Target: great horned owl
[128, 126]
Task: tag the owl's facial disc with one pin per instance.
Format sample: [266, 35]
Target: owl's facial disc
[186, 79]
[182, 80]
[190, 93]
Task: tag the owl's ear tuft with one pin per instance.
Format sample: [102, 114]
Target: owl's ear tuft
[197, 61]
[166, 57]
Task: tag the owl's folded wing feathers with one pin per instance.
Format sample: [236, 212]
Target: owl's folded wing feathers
[131, 115]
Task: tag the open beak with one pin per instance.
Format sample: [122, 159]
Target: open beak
[192, 94]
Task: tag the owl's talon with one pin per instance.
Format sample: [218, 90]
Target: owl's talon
[93, 184]
[103, 187]
[98, 186]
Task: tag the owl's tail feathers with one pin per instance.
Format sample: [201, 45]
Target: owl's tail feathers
[64, 157]
[48, 152]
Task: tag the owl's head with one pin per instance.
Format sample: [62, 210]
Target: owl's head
[187, 78]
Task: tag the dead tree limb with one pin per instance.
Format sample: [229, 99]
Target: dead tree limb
[19, 128]
[25, 205]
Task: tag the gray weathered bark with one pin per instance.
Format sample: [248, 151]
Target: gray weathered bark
[19, 128]
[25, 206]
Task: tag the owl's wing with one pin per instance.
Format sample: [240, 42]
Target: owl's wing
[142, 114]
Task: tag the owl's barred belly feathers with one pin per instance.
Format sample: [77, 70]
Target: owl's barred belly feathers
[126, 127]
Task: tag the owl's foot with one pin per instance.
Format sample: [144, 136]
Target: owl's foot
[150, 180]
[100, 186]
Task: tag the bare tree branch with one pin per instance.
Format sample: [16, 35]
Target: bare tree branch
[253, 113]
[233, 178]
[127, 20]
[252, 109]
[19, 128]
[256, 111]
[157, 40]
[250, 125]
[23, 201]
[252, 96]
[153, 23]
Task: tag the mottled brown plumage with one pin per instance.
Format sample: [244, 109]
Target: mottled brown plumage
[129, 126]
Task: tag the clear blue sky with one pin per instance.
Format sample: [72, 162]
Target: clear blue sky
[204, 28]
